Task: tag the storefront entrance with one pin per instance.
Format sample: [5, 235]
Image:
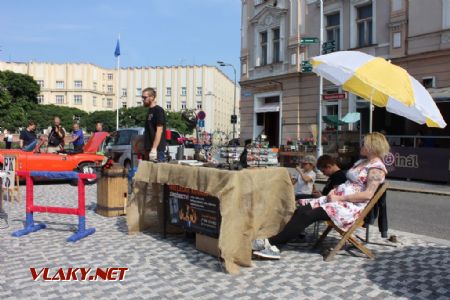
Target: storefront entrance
[272, 127]
[267, 117]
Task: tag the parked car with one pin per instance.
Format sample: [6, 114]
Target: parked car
[118, 147]
[86, 161]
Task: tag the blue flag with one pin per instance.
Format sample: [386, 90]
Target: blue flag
[117, 52]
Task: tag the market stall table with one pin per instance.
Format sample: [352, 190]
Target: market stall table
[254, 203]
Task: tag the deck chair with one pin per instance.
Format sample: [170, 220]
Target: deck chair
[348, 235]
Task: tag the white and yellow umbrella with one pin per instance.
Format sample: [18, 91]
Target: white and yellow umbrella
[380, 82]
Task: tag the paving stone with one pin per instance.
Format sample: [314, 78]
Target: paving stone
[173, 269]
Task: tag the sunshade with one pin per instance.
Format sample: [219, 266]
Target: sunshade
[351, 117]
[333, 120]
[382, 83]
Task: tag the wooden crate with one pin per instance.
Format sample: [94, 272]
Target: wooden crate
[112, 192]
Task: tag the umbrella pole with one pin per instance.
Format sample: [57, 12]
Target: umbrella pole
[371, 112]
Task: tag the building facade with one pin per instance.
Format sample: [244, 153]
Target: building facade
[91, 88]
[282, 101]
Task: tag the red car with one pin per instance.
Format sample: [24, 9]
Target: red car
[85, 161]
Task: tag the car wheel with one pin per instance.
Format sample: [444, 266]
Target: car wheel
[87, 168]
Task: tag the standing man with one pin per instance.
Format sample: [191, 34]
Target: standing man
[56, 136]
[99, 127]
[28, 138]
[8, 139]
[77, 137]
[155, 126]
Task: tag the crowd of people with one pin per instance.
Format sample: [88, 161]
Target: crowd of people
[55, 137]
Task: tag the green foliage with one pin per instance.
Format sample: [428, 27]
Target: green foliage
[18, 104]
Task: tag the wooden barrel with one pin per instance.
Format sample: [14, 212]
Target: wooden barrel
[112, 192]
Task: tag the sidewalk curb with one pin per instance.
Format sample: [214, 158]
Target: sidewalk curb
[422, 237]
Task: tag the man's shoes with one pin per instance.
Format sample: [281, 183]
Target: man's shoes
[260, 244]
[271, 252]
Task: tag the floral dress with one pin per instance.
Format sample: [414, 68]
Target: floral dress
[345, 213]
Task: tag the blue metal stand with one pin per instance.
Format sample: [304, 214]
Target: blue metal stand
[82, 231]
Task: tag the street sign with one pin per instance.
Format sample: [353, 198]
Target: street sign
[201, 123]
[201, 115]
[335, 96]
[309, 40]
[306, 66]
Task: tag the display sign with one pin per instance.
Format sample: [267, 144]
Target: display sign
[194, 210]
[201, 115]
[431, 164]
[9, 167]
[334, 96]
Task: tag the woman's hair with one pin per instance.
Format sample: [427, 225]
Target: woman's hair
[325, 160]
[376, 144]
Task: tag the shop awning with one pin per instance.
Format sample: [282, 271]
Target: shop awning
[269, 107]
[333, 120]
[440, 94]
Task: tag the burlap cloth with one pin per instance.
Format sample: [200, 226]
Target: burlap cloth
[254, 203]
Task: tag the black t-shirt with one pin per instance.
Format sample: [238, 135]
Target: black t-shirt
[28, 137]
[155, 116]
[334, 180]
[54, 139]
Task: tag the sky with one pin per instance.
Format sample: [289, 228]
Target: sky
[152, 32]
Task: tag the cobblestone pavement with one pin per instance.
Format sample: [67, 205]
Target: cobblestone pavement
[172, 268]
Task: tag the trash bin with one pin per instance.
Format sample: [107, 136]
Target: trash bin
[112, 192]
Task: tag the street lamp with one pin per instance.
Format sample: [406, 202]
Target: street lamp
[222, 64]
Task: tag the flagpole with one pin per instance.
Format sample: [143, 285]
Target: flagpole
[118, 88]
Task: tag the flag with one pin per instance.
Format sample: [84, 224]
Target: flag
[117, 51]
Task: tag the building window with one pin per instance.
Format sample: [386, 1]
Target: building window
[40, 99]
[183, 91]
[78, 84]
[138, 92]
[95, 86]
[199, 105]
[109, 103]
[94, 101]
[276, 45]
[333, 29]
[364, 24]
[110, 76]
[110, 88]
[258, 2]
[168, 91]
[40, 83]
[124, 105]
[263, 37]
[124, 92]
[199, 91]
[183, 104]
[59, 84]
[428, 82]
[139, 103]
[397, 40]
[77, 99]
[59, 99]
[397, 5]
[168, 105]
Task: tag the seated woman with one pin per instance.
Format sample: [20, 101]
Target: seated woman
[342, 205]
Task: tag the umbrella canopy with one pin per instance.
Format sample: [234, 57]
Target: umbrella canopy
[333, 120]
[382, 83]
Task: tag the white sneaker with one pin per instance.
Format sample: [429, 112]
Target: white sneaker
[271, 252]
[260, 244]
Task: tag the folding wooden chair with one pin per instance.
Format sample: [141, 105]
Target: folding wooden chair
[348, 235]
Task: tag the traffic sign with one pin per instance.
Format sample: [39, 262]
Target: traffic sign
[306, 66]
[201, 123]
[334, 96]
[233, 119]
[201, 115]
[309, 40]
